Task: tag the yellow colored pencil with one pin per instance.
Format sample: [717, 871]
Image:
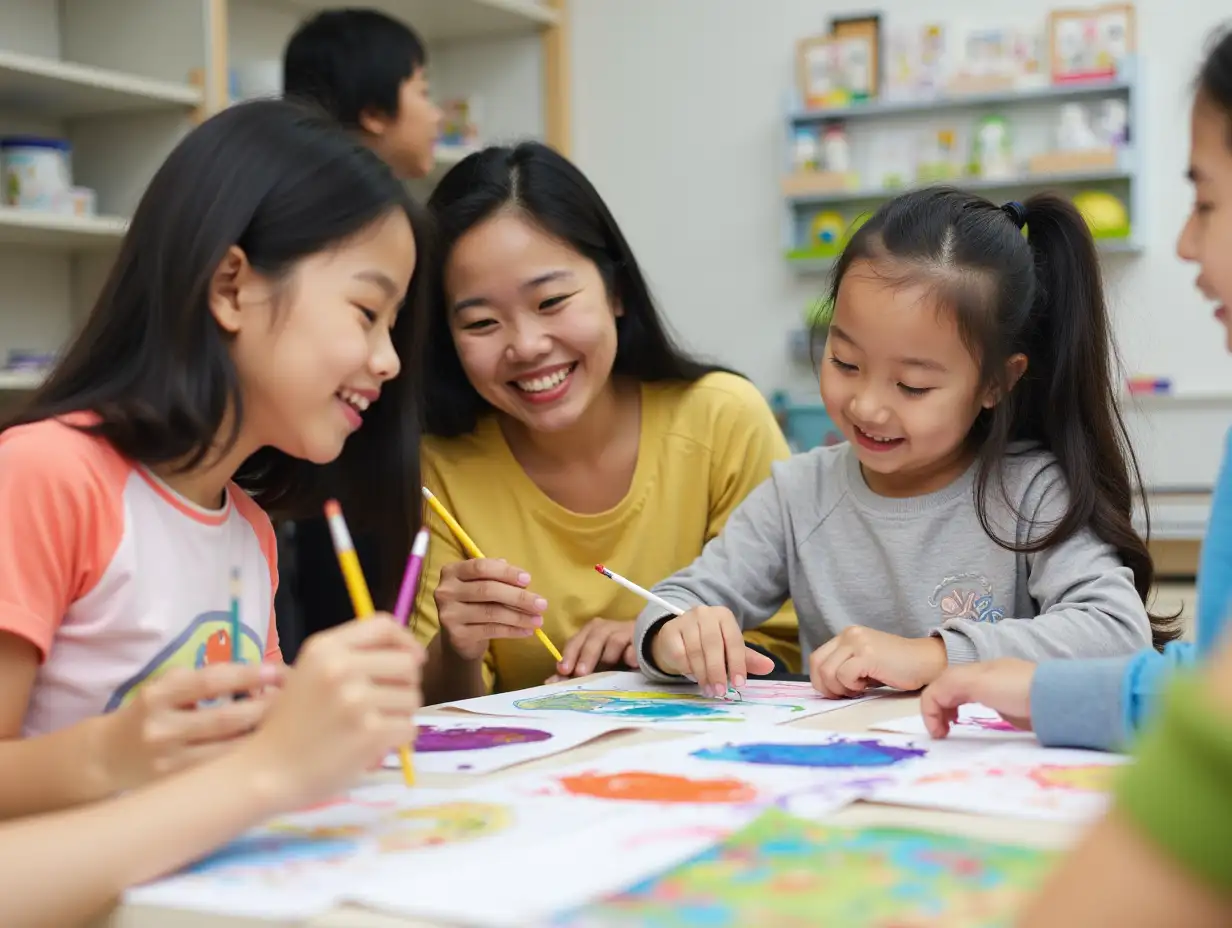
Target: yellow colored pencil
[473, 550]
[361, 599]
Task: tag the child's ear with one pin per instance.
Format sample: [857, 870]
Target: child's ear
[373, 122]
[225, 285]
[1015, 367]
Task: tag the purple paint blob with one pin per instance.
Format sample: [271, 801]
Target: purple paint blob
[435, 740]
[839, 753]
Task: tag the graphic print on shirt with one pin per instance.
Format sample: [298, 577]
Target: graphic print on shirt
[966, 596]
[206, 640]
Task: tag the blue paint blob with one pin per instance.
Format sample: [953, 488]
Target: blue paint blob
[864, 753]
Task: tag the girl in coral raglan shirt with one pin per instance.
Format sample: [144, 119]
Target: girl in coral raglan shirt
[249, 326]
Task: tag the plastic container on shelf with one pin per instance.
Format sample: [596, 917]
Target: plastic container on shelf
[805, 425]
[37, 173]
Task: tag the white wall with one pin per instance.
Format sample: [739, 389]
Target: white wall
[678, 109]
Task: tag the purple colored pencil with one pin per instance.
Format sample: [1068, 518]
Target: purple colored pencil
[410, 580]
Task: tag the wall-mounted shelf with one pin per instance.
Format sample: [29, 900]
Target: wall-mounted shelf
[21, 381]
[870, 194]
[58, 232]
[876, 159]
[62, 89]
[880, 109]
[821, 264]
[454, 20]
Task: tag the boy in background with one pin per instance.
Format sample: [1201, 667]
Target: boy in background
[368, 71]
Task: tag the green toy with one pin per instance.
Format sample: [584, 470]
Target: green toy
[827, 230]
[1105, 214]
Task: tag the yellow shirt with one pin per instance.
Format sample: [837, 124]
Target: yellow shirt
[703, 447]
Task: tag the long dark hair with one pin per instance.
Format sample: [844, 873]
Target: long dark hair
[1214, 81]
[1040, 295]
[282, 182]
[551, 192]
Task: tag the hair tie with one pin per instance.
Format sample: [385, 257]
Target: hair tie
[1016, 211]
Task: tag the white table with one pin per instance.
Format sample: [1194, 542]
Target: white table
[856, 718]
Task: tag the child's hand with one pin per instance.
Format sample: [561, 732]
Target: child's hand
[1003, 685]
[602, 644]
[858, 657]
[706, 643]
[163, 730]
[349, 700]
[482, 599]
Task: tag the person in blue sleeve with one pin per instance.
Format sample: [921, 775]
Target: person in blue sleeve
[1101, 704]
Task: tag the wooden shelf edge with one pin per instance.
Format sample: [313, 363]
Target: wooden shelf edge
[71, 73]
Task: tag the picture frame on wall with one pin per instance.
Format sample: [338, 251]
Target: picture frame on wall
[1092, 44]
[834, 72]
[866, 27]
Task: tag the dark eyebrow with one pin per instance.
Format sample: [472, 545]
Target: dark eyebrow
[926, 363]
[842, 336]
[531, 284]
[381, 280]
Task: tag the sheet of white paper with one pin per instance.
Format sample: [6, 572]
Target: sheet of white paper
[525, 883]
[302, 864]
[1021, 780]
[974, 722]
[630, 699]
[466, 745]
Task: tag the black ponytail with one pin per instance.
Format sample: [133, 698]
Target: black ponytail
[1042, 296]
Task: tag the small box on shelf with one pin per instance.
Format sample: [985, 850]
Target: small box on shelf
[1055, 163]
[811, 183]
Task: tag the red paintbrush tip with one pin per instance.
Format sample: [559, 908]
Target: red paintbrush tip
[332, 508]
[601, 569]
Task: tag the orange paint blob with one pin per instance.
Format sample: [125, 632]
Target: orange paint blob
[657, 787]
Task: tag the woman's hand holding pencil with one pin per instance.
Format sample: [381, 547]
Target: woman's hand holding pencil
[481, 599]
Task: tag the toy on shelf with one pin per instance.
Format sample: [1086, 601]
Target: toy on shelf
[826, 231]
[1078, 146]
[1112, 127]
[459, 122]
[820, 165]
[940, 161]
[806, 152]
[1074, 132]
[992, 154]
[834, 72]
[835, 152]
[1106, 216]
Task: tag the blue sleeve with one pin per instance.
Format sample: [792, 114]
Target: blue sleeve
[1146, 677]
[1100, 704]
[1215, 570]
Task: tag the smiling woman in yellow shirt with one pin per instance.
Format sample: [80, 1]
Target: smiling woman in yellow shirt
[564, 429]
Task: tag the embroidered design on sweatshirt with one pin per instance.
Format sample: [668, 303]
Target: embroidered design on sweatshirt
[966, 596]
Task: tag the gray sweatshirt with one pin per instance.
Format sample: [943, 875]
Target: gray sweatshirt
[816, 534]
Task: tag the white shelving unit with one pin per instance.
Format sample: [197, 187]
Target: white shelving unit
[123, 80]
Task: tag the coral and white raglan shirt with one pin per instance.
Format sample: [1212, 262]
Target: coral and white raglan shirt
[115, 578]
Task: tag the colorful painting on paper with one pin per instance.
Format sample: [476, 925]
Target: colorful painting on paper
[791, 873]
[835, 754]
[465, 746]
[974, 722]
[1014, 779]
[297, 865]
[628, 698]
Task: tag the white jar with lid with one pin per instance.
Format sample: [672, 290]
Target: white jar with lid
[36, 172]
